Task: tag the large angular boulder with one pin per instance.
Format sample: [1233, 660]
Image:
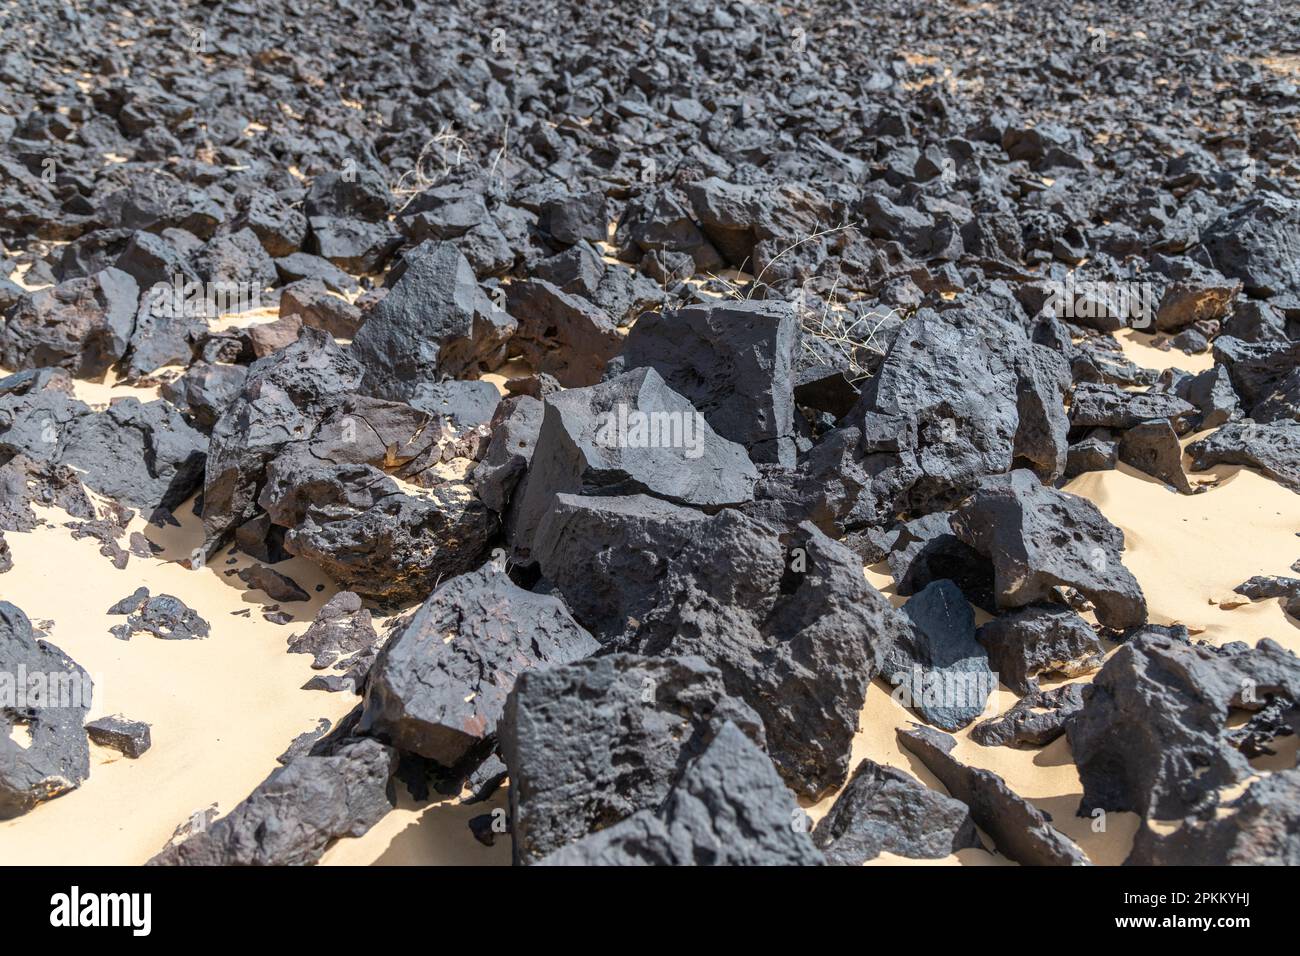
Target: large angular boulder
[434, 323]
[787, 617]
[1042, 640]
[283, 398]
[439, 686]
[1259, 828]
[734, 361]
[960, 395]
[1152, 736]
[296, 812]
[82, 324]
[1273, 449]
[883, 810]
[630, 435]
[560, 333]
[937, 665]
[1039, 539]
[728, 809]
[1258, 242]
[590, 743]
[44, 695]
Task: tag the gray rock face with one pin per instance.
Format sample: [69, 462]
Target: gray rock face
[1258, 242]
[1196, 300]
[1020, 830]
[165, 332]
[1036, 719]
[82, 325]
[45, 694]
[732, 361]
[1152, 738]
[205, 391]
[369, 534]
[131, 738]
[282, 400]
[1096, 451]
[1212, 393]
[145, 455]
[236, 258]
[630, 435]
[1110, 406]
[926, 550]
[728, 809]
[1153, 448]
[514, 436]
[960, 395]
[439, 686]
[1037, 641]
[1039, 538]
[341, 628]
[883, 810]
[434, 323]
[590, 743]
[788, 618]
[320, 309]
[1257, 369]
[296, 812]
[1259, 828]
[561, 334]
[1273, 449]
[164, 616]
[943, 670]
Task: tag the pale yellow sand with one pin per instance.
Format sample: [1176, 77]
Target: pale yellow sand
[224, 708]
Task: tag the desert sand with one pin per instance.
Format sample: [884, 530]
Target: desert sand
[224, 708]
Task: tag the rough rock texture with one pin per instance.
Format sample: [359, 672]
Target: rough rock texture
[1036, 719]
[958, 397]
[1273, 449]
[939, 668]
[205, 391]
[131, 738]
[144, 455]
[277, 586]
[732, 361]
[590, 743]
[45, 694]
[1040, 641]
[1259, 828]
[1153, 448]
[435, 322]
[632, 434]
[1110, 406]
[561, 334]
[1258, 242]
[788, 618]
[1039, 538]
[1262, 587]
[341, 630]
[882, 809]
[439, 686]
[283, 398]
[164, 616]
[1019, 830]
[729, 808]
[515, 428]
[82, 325]
[295, 813]
[1152, 737]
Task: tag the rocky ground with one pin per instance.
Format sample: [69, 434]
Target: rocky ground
[669, 433]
